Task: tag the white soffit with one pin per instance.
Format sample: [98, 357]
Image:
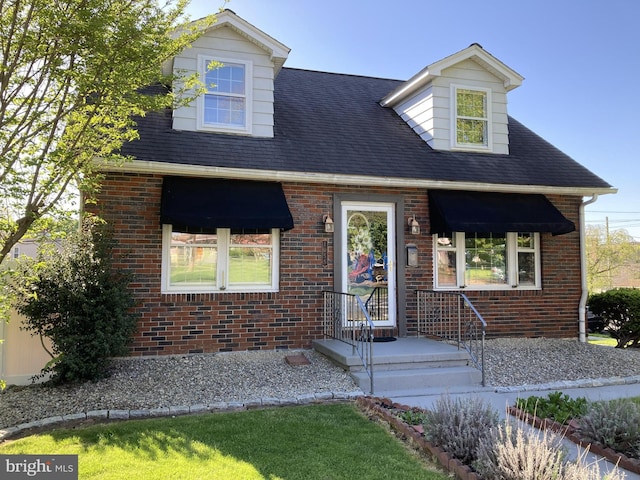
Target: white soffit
[162, 168]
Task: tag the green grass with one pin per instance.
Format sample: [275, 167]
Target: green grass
[602, 339]
[305, 442]
[245, 269]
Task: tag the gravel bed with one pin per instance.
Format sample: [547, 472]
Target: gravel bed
[163, 382]
[525, 361]
[153, 383]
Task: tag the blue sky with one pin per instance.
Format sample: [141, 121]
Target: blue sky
[580, 60]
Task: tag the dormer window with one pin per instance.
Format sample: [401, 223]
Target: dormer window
[226, 103]
[470, 118]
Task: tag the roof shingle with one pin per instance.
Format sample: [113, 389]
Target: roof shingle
[330, 123]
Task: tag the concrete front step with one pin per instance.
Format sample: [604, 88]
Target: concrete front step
[408, 364]
[455, 358]
[393, 381]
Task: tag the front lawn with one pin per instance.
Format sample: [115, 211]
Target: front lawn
[602, 339]
[305, 442]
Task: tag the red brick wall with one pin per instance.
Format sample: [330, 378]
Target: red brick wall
[291, 318]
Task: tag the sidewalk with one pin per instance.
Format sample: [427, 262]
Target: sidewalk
[501, 398]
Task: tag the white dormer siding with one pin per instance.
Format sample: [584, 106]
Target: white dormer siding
[226, 44]
[427, 102]
[233, 41]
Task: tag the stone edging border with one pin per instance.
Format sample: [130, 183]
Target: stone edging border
[105, 415]
[569, 432]
[584, 383]
[415, 437]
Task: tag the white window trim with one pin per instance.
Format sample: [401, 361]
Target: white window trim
[222, 285]
[454, 117]
[512, 265]
[203, 62]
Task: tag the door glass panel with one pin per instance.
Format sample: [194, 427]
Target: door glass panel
[369, 261]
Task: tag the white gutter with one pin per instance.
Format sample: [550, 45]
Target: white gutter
[163, 168]
[582, 308]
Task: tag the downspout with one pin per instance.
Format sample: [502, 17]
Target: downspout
[582, 308]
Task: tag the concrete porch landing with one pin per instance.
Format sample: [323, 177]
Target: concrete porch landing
[406, 366]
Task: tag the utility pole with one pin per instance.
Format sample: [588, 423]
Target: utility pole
[608, 250]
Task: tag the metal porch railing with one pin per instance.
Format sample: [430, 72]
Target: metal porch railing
[346, 319]
[452, 317]
[377, 304]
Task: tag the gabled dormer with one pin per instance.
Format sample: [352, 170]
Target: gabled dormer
[241, 100]
[459, 102]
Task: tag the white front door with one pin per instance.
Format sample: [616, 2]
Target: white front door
[369, 256]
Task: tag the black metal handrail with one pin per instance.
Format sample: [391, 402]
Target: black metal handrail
[346, 319]
[452, 317]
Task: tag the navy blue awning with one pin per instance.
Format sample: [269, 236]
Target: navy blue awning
[201, 205]
[486, 212]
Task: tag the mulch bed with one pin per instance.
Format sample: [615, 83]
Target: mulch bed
[570, 432]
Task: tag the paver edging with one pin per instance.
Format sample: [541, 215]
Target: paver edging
[172, 411]
[377, 406]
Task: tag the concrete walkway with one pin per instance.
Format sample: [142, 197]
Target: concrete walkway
[500, 399]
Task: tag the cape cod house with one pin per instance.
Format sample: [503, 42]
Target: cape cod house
[279, 184]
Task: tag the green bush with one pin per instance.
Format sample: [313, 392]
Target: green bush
[82, 303]
[614, 424]
[555, 406]
[621, 308]
[459, 426]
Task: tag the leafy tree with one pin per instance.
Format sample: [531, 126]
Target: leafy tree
[76, 298]
[72, 80]
[606, 253]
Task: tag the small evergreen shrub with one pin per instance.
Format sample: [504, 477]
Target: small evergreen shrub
[82, 303]
[555, 406]
[614, 424]
[621, 308]
[459, 426]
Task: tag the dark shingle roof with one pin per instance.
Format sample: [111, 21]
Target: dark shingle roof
[332, 123]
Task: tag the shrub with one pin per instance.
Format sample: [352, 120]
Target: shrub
[459, 426]
[556, 406]
[614, 424]
[521, 453]
[621, 308]
[77, 299]
[513, 453]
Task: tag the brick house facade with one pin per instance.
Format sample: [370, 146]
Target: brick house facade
[340, 145]
[216, 322]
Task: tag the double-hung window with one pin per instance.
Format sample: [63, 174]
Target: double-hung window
[227, 260]
[488, 261]
[226, 103]
[470, 121]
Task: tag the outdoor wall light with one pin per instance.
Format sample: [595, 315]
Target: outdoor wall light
[414, 226]
[328, 223]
